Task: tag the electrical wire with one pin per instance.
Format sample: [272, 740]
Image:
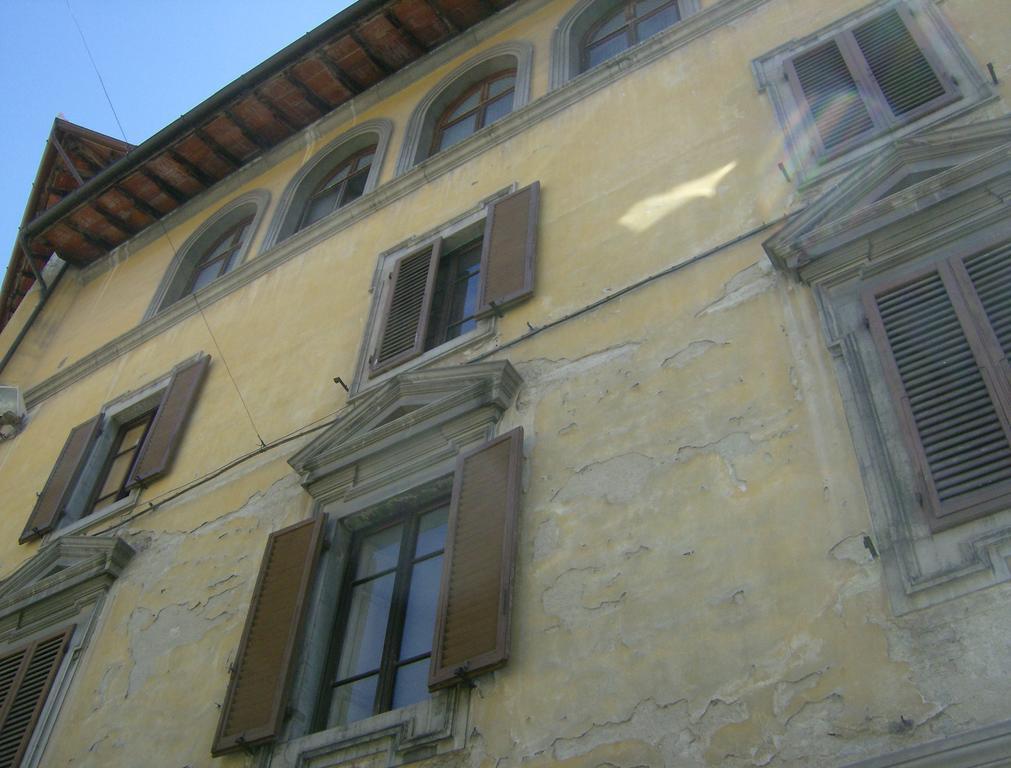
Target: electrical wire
[97, 72]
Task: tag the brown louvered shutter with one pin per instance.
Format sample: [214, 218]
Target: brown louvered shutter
[899, 66]
[62, 480]
[475, 598]
[25, 679]
[258, 689]
[823, 79]
[952, 401]
[156, 454]
[990, 276]
[405, 314]
[509, 249]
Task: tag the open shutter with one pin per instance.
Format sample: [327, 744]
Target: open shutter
[159, 448]
[822, 79]
[62, 480]
[258, 689]
[509, 249]
[899, 65]
[25, 679]
[948, 394]
[475, 599]
[405, 315]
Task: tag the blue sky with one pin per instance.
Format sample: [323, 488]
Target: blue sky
[158, 58]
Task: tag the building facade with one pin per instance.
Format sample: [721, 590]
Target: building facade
[525, 383]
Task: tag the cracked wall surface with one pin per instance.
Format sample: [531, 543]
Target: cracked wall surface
[696, 583]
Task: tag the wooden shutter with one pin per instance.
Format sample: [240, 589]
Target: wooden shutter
[25, 679]
[949, 393]
[899, 64]
[475, 599]
[823, 80]
[406, 311]
[258, 689]
[156, 454]
[509, 249]
[62, 480]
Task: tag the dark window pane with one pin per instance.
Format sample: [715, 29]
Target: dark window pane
[412, 684]
[649, 27]
[353, 701]
[379, 552]
[205, 276]
[501, 85]
[613, 24]
[432, 532]
[646, 7]
[498, 109]
[366, 627]
[604, 51]
[355, 187]
[458, 132]
[419, 621]
[465, 106]
[319, 207]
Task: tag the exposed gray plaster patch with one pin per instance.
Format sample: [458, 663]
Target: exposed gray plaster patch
[729, 448]
[746, 284]
[545, 539]
[645, 722]
[852, 548]
[618, 480]
[696, 349]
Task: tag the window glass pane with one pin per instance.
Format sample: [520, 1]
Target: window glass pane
[412, 684]
[132, 436]
[223, 245]
[319, 207]
[649, 27]
[364, 161]
[465, 106]
[366, 627]
[499, 86]
[613, 24]
[355, 187]
[645, 7]
[498, 109]
[117, 473]
[419, 622]
[458, 132]
[604, 51]
[353, 701]
[379, 551]
[432, 532]
[206, 275]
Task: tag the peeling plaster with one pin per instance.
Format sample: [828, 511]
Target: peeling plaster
[696, 349]
[746, 284]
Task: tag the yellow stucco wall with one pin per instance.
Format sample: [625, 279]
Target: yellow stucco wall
[691, 585]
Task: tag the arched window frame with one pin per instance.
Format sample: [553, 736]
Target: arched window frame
[479, 112]
[303, 185]
[421, 127]
[178, 280]
[567, 42]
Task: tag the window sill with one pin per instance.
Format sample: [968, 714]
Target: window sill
[81, 526]
[417, 732]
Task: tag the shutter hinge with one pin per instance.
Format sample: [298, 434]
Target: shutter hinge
[465, 678]
[867, 322]
[919, 499]
[495, 308]
[241, 741]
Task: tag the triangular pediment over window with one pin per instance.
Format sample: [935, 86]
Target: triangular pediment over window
[412, 421]
[911, 176]
[63, 572]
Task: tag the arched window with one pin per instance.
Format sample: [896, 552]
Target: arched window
[631, 22]
[481, 104]
[216, 248]
[340, 173]
[344, 184]
[478, 93]
[594, 31]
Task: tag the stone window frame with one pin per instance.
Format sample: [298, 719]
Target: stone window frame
[420, 129]
[123, 409]
[837, 250]
[172, 288]
[284, 223]
[567, 38]
[353, 484]
[455, 232]
[64, 584]
[800, 143]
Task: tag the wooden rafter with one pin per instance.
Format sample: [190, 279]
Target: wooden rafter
[378, 63]
[318, 104]
[275, 111]
[166, 188]
[338, 74]
[216, 149]
[197, 173]
[436, 7]
[251, 136]
[407, 34]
